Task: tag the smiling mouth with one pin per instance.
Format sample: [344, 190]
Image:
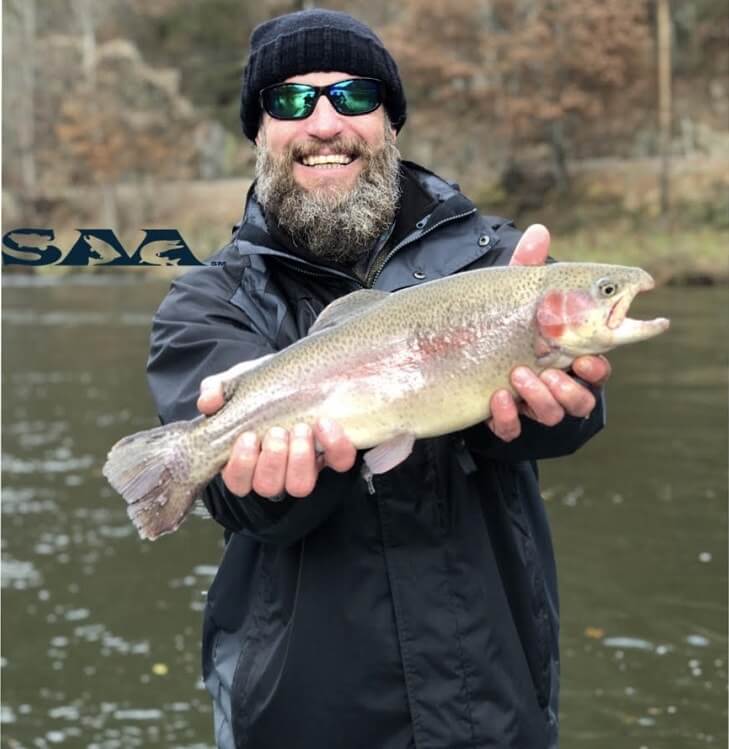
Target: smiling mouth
[326, 161]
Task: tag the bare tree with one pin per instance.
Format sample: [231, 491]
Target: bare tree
[663, 17]
[19, 92]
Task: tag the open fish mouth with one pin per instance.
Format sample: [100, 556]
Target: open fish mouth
[628, 327]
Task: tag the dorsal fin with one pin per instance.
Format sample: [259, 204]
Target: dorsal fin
[345, 307]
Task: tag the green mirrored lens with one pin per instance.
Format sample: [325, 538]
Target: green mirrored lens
[355, 97]
[290, 102]
[296, 101]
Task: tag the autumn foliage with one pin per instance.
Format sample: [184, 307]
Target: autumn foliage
[131, 90]
[567, 74]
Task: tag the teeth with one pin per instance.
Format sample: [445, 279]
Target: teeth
[335, 158]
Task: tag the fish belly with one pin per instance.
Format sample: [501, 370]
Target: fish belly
[426, 379]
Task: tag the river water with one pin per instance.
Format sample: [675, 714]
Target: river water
[100, 635]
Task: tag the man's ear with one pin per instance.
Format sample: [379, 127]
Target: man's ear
[260, 135]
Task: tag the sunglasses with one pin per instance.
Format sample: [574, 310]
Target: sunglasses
[296, 101]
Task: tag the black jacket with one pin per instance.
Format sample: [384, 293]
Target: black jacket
[424, 615]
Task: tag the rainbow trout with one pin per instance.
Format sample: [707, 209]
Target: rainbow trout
[390, 368]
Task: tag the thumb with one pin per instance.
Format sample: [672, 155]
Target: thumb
[211, 396]
[533, 247]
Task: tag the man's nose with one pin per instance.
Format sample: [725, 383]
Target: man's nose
[324, 122]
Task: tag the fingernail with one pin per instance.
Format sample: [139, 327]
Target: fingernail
[551, 377]
[329, 426]
[302, 430]
[520, 375]
[503, 397]
[278, 434]
[249, 439]
[585, 366]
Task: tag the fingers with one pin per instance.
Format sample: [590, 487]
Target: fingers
[546, 398]
[238, 471]
[269, 476]
[211, 397]
[339, 452]
[286, 461]
[301, 469]
[533, 247]
[211, 388]
[593, 369]
[258, 467]
[574, 398]
[538, 398]
[504, 421]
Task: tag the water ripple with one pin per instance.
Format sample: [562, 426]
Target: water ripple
[19, 575]
[14, 464]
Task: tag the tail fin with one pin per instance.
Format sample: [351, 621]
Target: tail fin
[151, 470]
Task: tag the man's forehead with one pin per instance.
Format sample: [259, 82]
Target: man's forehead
[321, 78]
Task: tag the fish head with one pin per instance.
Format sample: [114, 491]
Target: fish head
[584, 307]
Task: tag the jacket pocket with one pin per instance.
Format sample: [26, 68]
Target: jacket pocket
[264, 638]
[525, 586]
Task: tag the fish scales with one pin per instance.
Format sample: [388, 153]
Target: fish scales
[368, 362]
[417, 363]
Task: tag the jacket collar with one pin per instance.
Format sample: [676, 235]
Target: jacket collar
[253, 237]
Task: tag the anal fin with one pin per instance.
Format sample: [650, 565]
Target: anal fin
[389, 454]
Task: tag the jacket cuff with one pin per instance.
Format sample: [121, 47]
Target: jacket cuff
[282, 521]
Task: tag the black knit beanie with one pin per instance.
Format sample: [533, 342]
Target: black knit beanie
[316, 41]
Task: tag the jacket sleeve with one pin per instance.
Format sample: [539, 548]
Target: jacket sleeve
[197, 332]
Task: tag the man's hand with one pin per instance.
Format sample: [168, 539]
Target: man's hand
[547, 397]
[284, 461]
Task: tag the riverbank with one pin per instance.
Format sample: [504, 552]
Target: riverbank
[692, 257]
[610, 214]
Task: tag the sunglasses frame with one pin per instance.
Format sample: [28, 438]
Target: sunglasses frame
[320, 91]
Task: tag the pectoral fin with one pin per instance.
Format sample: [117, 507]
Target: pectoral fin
[389, 454]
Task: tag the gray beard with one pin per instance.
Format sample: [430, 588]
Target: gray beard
[333, 224]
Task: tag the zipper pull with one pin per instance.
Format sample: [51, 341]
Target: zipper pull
[369, 478]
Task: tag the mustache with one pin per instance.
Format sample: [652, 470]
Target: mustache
[351, 146]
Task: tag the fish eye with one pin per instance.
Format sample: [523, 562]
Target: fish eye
[606, 287]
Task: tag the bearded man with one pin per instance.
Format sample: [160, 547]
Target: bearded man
[419, 610]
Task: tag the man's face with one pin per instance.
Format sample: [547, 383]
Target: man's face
[336, 211]
[324, 133]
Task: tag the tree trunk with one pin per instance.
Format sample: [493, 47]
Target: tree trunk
[559, 154]
[27, 101]
[664, 101]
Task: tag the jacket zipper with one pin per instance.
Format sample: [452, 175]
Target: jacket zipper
[299, 267]
[378, 267]
[369, 282]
